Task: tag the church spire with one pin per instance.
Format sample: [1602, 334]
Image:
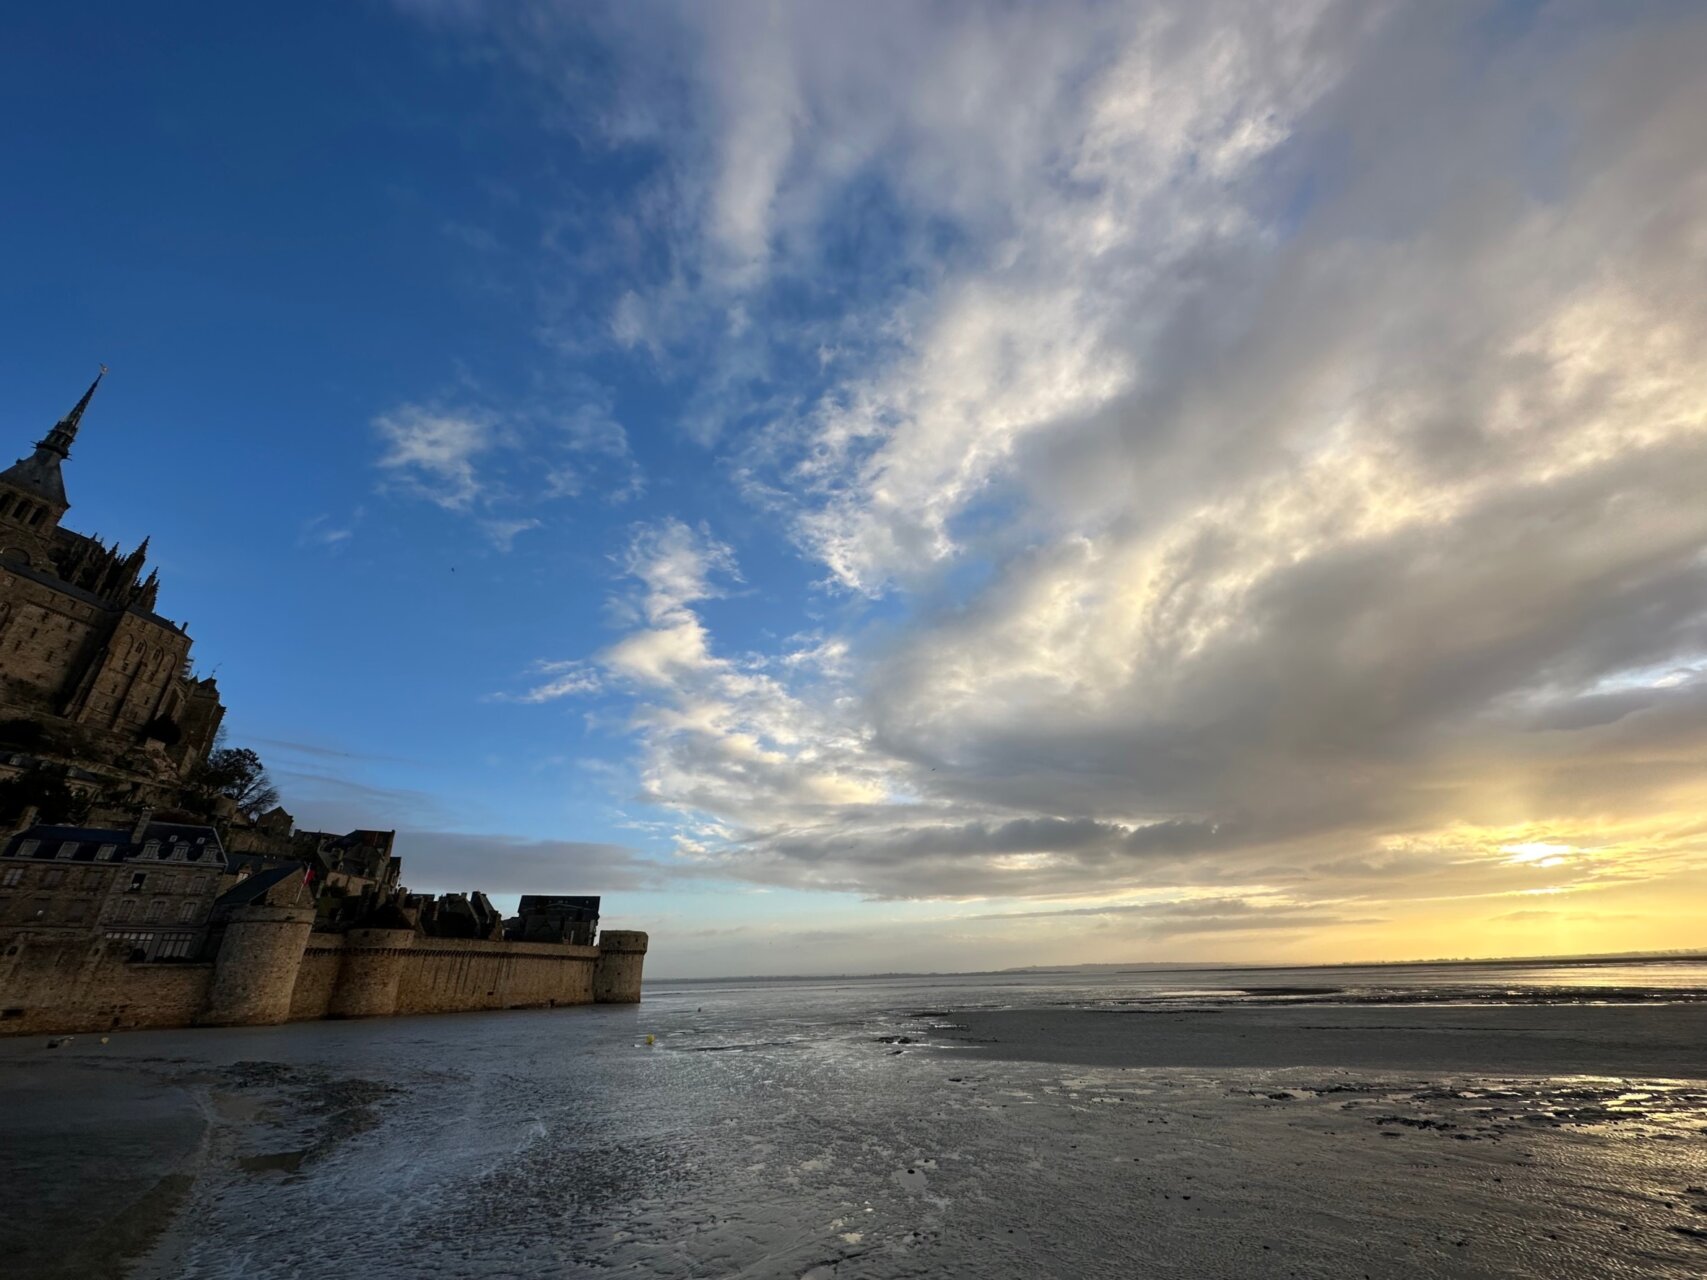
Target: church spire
[59, 439]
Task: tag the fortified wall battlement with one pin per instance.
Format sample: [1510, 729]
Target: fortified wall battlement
[271, 968]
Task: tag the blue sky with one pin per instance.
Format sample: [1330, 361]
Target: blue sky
[912, 486]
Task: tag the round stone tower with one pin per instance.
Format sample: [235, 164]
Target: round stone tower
[255, 972]
[616, 976]
[368, 977]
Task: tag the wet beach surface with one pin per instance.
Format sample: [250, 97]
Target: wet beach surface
[910, 1127]
[1535, 1039]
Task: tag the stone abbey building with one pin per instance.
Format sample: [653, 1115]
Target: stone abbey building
[91, 677]
[147, 910]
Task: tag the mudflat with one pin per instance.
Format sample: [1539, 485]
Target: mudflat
[1111, 1128]
[1651, 1040]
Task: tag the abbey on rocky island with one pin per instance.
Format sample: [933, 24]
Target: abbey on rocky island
[134, 894]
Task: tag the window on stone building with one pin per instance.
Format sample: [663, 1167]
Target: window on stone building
[12, 877]
[198, 884]
[156, 909]
[150, 849]
[127, 908]
[137, 880]
[187, 911]
[75, 912]
[42, 904]
[53, 877]
[91, 879]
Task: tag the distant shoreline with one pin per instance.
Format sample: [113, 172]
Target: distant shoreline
[1507, 962]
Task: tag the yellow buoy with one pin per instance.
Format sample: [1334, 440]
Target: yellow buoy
[651, 1040]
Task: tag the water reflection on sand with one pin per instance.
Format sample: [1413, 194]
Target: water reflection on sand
[837, 1129]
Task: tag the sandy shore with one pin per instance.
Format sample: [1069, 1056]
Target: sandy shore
[1652, 1040]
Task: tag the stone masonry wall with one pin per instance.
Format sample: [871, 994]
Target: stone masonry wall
[317, 976]
[256, 970]
[448, 975]
[59, 985]
[622, 956]
[359, 976]
[271, 969]
[43, 635]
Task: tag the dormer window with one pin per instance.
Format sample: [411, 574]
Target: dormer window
[105, 852]
[151, 849]
[28, 848]
[68, 849]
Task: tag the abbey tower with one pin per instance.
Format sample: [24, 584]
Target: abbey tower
[95, 686]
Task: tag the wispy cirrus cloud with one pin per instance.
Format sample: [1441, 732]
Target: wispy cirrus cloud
[501, 466]
[329, 531]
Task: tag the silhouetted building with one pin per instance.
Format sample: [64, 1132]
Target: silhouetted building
[94, 684]
[552, 917]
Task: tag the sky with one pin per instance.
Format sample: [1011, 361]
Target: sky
[911, 486]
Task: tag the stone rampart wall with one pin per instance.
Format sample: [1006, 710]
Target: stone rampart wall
[59, 985]
[622, 955]
[358, 975]
[271, 969]
[449, 975]
[316, 977]
[256, 970]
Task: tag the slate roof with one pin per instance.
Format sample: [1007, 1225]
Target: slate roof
[177, 842]
[253, 887]
[38, 474]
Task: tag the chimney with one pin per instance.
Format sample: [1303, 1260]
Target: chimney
[141, 827]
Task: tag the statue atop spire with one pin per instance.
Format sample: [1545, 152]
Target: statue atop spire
[60, 438]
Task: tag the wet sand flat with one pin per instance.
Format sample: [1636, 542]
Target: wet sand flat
[103, 1166]
[1667, 1041]
[839, 1132]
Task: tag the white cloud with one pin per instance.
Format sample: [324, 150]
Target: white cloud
[433, 450]
[561, 443]
[1276, 435]
[504, 533]
[563, 679]
[331, 532]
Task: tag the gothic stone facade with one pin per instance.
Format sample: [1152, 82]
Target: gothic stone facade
[84, 657]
